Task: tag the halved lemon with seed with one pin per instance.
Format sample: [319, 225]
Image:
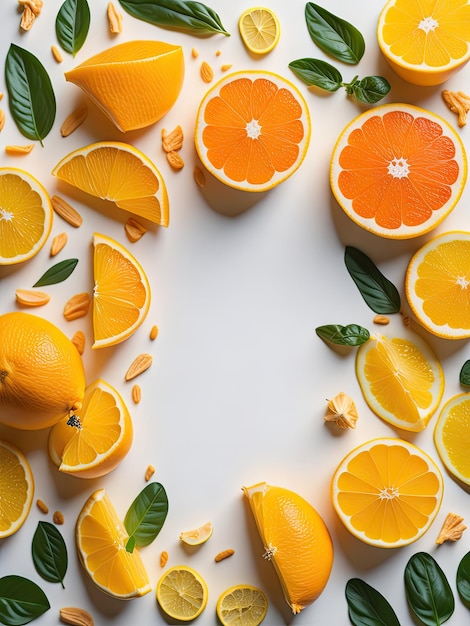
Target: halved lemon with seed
[242, 605]
[452, 436]
[259, 29]
[182, 593]
[16, 489]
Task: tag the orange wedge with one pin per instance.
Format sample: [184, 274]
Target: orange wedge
[16, 489]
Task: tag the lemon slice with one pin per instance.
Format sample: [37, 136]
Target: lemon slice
[182, 593]
[16, 489]
[198, 535]
[452, 436]
[259, 29]
[242, 605]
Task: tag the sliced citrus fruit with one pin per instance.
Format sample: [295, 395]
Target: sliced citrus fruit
[259, 29]
[93, 441]
[134, 83]
[387, 492]
[101, 542]
[16, 489]
[252, 130]
[121, 295]
[182, 593]
[296, 541]
[116, 171]
[242, 605]
[425, 42]
[401, 379]
[452, 436]
[25, 216]
[398, 170]
[437, 285]
[198, 535]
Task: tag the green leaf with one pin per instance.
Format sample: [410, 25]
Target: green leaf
[57, 273]
[463, 579]
[334, 35]
[183, 15]
[30, 93]
[72, 25]
[49, 553]
[378, 292]
[370, 89]
[146, 516]
[464, 376]
[350, 335]
[368, 607]
[318, 73]
[427, 590]
[21, 601]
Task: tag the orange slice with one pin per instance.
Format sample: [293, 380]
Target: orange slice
[16, 489]
[452, 436]
[259, 29]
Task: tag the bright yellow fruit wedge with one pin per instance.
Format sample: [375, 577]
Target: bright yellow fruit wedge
[16, 489]
[198, 535]
[242, 605]
[182, 593]
[452, 436]
[259, 29]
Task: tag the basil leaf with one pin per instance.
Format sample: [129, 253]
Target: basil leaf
[184, 15]
[49, 553]
[317, 72]
[427, 590]
[378, 292]
[463, 579]
[72, 24]
[350, 335]
[57, 273]
[146, 516]
[21, 601]
[368, 607]
[31, 96]
[465, 374]
[334, 35]
[370, 89]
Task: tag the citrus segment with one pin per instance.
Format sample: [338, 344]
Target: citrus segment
[252, 130]
[296, 541]
[242, 605]
[452, 436]
[134, 83]
[101, 542]
[398, 170]
[425, 42]
[25, 216]
[198, 535]
[438, 285]
[16, 489]
[401, 379]
[121, 295]
[387, 492]
[182, 593]
[259, 29]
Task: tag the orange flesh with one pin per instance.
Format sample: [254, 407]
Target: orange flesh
[456, 437]
[14, 489]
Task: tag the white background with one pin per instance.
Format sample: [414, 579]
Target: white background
[237, 391]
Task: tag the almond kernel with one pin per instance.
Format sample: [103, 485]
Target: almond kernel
[153, 332]
[136, 394]
[58, 243]
[66, 211]
[28, 297]
[149, 473]
[134, 229]
[78, 341]
[172, 140]
[207, 73]
[19, 150]
[175, 160]
[77, 306]
[74, 120]
[138, 366]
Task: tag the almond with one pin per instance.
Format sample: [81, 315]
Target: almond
[29, 297]
[78, 341]
[66, 211]
[77, 306]
[223, 555]
[149, 473]
[75, 616]
[74, 120]
[134, 229]
[172, 140]
[58, 243]
[136, 394]
[19, 150]
[153, 332]
[207, 73]
[56, 54]
[114, 19]
[175, 160]
[138, 366]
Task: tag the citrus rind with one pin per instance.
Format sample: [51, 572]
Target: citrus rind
[452, 431]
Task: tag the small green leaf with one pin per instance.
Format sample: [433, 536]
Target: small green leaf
[334, 35]
[368, 607]
[21, 601]
[463, 579]
[378, 292]
[72, 25]
[350, 335]
[318, 73]
[57, 273]
[370, 89]
[464, 376]
[49, 553]
[427, 590]
[146, 516]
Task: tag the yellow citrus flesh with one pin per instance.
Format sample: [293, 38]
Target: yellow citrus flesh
[182, 593]
[101, 542]
[259, 29]
[134, 83]
[16, 489]
[25, 216]
[387, 492]
[198, 535]
[252, 130]
[425, 42]
[97, 438]
[121, 295]
[41, 372]
[401, 379]
[296, 541]
[120, 173]
[242, 605]
[437, 285]
[452, 436]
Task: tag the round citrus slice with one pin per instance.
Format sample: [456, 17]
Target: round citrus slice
[121, 295]
[25, 216]
[182, 593]
[259, 29]
[120, 173]
[398, 170]
[198, 535]
[387, 492]
[452, 436]
[401, 379]
[437, 285]
[16, 489]
[252, 130]
[425, 43]
[242, 605]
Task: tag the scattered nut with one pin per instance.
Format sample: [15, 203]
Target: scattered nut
[163, 558]
[172, 140]
[76, 616]
[2, 119]
[31, 9]
[149, 473]
[66, 211]
[226, 67]
[56, 54]
[58, 243]
[77, 306]
[138, 366]
[134, 229]
[153, 332]
[342, 410]
[78, 341]
[218, 53]
[207, 73]
[136, 394]
[223, 555]
[452, 529]
[194, 53]
[175, 160]
[381, 319]
[74, 120]
[114, 19]
[31, 297]
[58, 517]
[19, 150]
[42, 506]
[458, 102]
[199, 177]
